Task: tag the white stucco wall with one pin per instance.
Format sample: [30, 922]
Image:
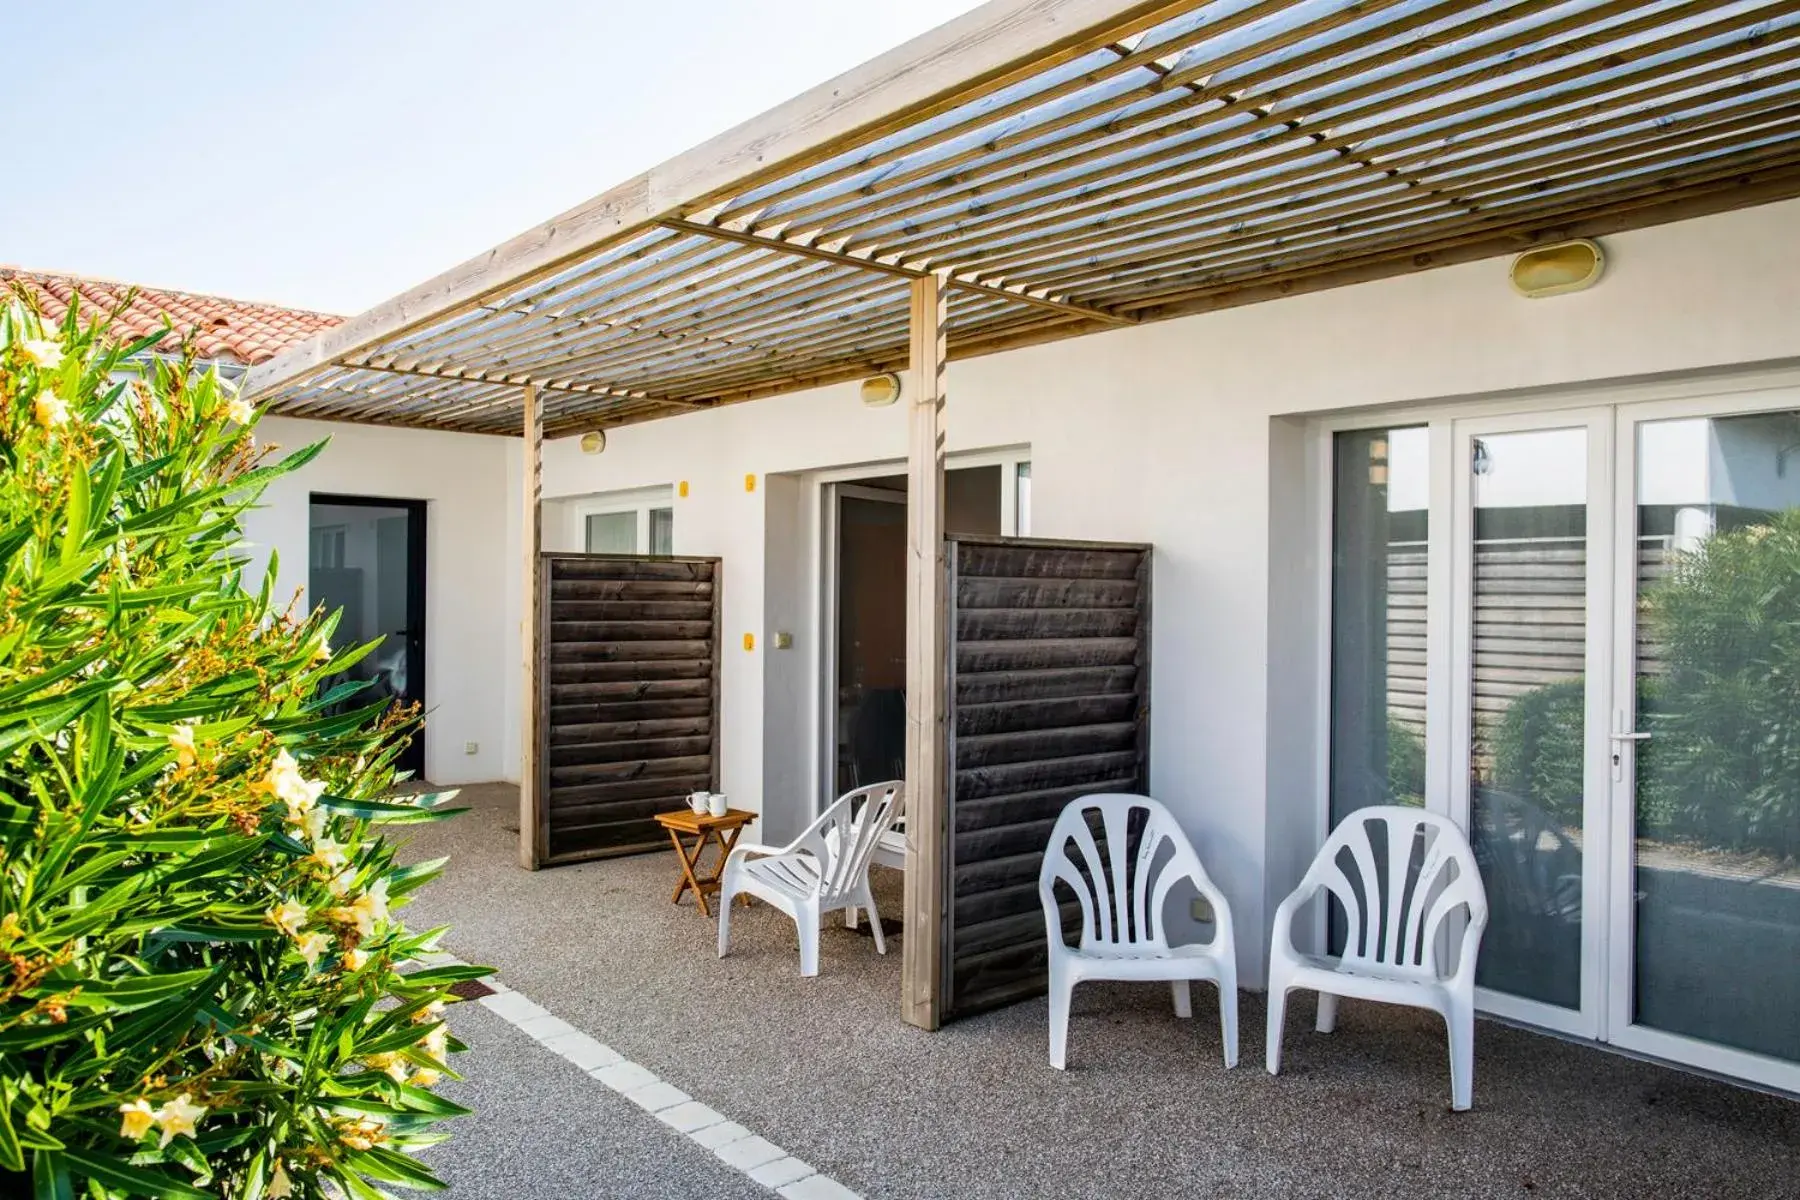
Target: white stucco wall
[1183, 434]
[468, 642]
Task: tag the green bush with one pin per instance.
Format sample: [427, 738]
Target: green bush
[1537, 749]
[1726, 711]
[202, 991]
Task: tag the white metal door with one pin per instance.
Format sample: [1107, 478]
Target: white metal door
[1704, 736]
[1529, 609]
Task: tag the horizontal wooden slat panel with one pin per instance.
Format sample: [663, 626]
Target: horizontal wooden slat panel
[1050, 674]
[1052, 684]
[574, 734]
[1016, 715]
[604, 568]
[628, 631]
[986, 624]
[974, 658]
[1004, 593]
[589, 591]
[633, 652]
[628, 717]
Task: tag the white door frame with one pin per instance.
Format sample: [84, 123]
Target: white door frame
[820, 490]
[1623, 1031]
[1586, 1021]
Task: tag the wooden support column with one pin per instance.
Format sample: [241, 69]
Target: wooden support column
[531, 841]
[927, 805]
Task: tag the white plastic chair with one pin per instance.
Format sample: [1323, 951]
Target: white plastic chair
[1122, 934]
[1395, 930]
[823, 870]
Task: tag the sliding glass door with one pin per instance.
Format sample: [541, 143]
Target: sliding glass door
[1577, 633]
[1706, 738]
[1527, 680]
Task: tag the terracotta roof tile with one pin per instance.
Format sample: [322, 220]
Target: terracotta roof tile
[231, 331]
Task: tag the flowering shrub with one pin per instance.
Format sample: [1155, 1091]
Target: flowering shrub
[201, 989]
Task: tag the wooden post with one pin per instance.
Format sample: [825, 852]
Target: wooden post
[531, 850]
[927, 806]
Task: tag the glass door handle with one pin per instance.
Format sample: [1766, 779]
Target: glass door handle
[1631, 737]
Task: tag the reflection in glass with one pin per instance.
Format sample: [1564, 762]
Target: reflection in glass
[612, 533]
[1716, 881]
[1380, 494]
[662, 531]
[1529, 638]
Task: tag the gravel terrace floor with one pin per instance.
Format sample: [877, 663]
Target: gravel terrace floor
[825, 1068]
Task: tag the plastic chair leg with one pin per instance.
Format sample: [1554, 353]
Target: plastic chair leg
[874, 922]
[726, 896]
[1228, 1020]
[1277, 1015]
[1184, 999]
[1461, 1022]
[1327, 1020]
[808, 924]
[1061, 990]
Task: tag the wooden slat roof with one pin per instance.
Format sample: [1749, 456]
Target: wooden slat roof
[1075, 165]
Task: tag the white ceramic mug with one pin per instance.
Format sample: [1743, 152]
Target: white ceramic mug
[716, 804]
[698, 801]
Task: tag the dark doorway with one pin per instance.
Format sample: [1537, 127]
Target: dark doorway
[871, 611]
[367, 558]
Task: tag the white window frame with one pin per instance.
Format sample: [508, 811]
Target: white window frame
[1747, 390]
[636, 500]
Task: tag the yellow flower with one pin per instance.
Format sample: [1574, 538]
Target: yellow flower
[240, 411]
[181, 740]
[137, 1117]
[355, 960]
[180, 1115]
[369, 910]
[289, 916]
[321, 649]
[425, 1077]
[279, 1184]
[286, 784]
[309, 822]
[339, 885]
[49, 410]
[45, 355]
[328, 854]
[10, 929]
[311, 946]
[437, 1043]
[431, 1012]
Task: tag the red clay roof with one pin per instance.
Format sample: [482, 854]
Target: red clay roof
[233, 331]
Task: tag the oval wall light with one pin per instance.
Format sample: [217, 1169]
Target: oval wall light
[1553, 270]
[879, 391]
[593, 441]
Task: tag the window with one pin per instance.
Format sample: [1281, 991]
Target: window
[635, 522]
[1378, 566]
[1022, 486]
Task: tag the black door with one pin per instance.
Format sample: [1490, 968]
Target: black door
[367, 558]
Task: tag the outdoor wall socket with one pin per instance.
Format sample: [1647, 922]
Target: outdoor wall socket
[471, 747]
[784, 641]
[1200, 910]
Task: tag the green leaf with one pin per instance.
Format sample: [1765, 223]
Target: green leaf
[136, 1180]
[75, 516]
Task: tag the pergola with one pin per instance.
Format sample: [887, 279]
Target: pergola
[1040, 169]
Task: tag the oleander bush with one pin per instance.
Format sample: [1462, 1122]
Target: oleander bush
[202, 989]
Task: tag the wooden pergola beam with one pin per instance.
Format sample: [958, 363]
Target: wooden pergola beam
[532, 850]
[927, 798]
[859, 262]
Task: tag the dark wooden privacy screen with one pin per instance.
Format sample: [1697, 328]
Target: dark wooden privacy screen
[1049, 646]
[628, 698]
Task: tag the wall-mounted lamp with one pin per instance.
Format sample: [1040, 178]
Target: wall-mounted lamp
[879, 391]
[1553, 270]
[593, 441]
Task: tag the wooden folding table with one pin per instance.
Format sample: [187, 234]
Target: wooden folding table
[704, 828]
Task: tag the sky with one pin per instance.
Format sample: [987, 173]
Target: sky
[329, 154]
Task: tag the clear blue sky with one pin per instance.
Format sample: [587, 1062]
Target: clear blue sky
[328, 154]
